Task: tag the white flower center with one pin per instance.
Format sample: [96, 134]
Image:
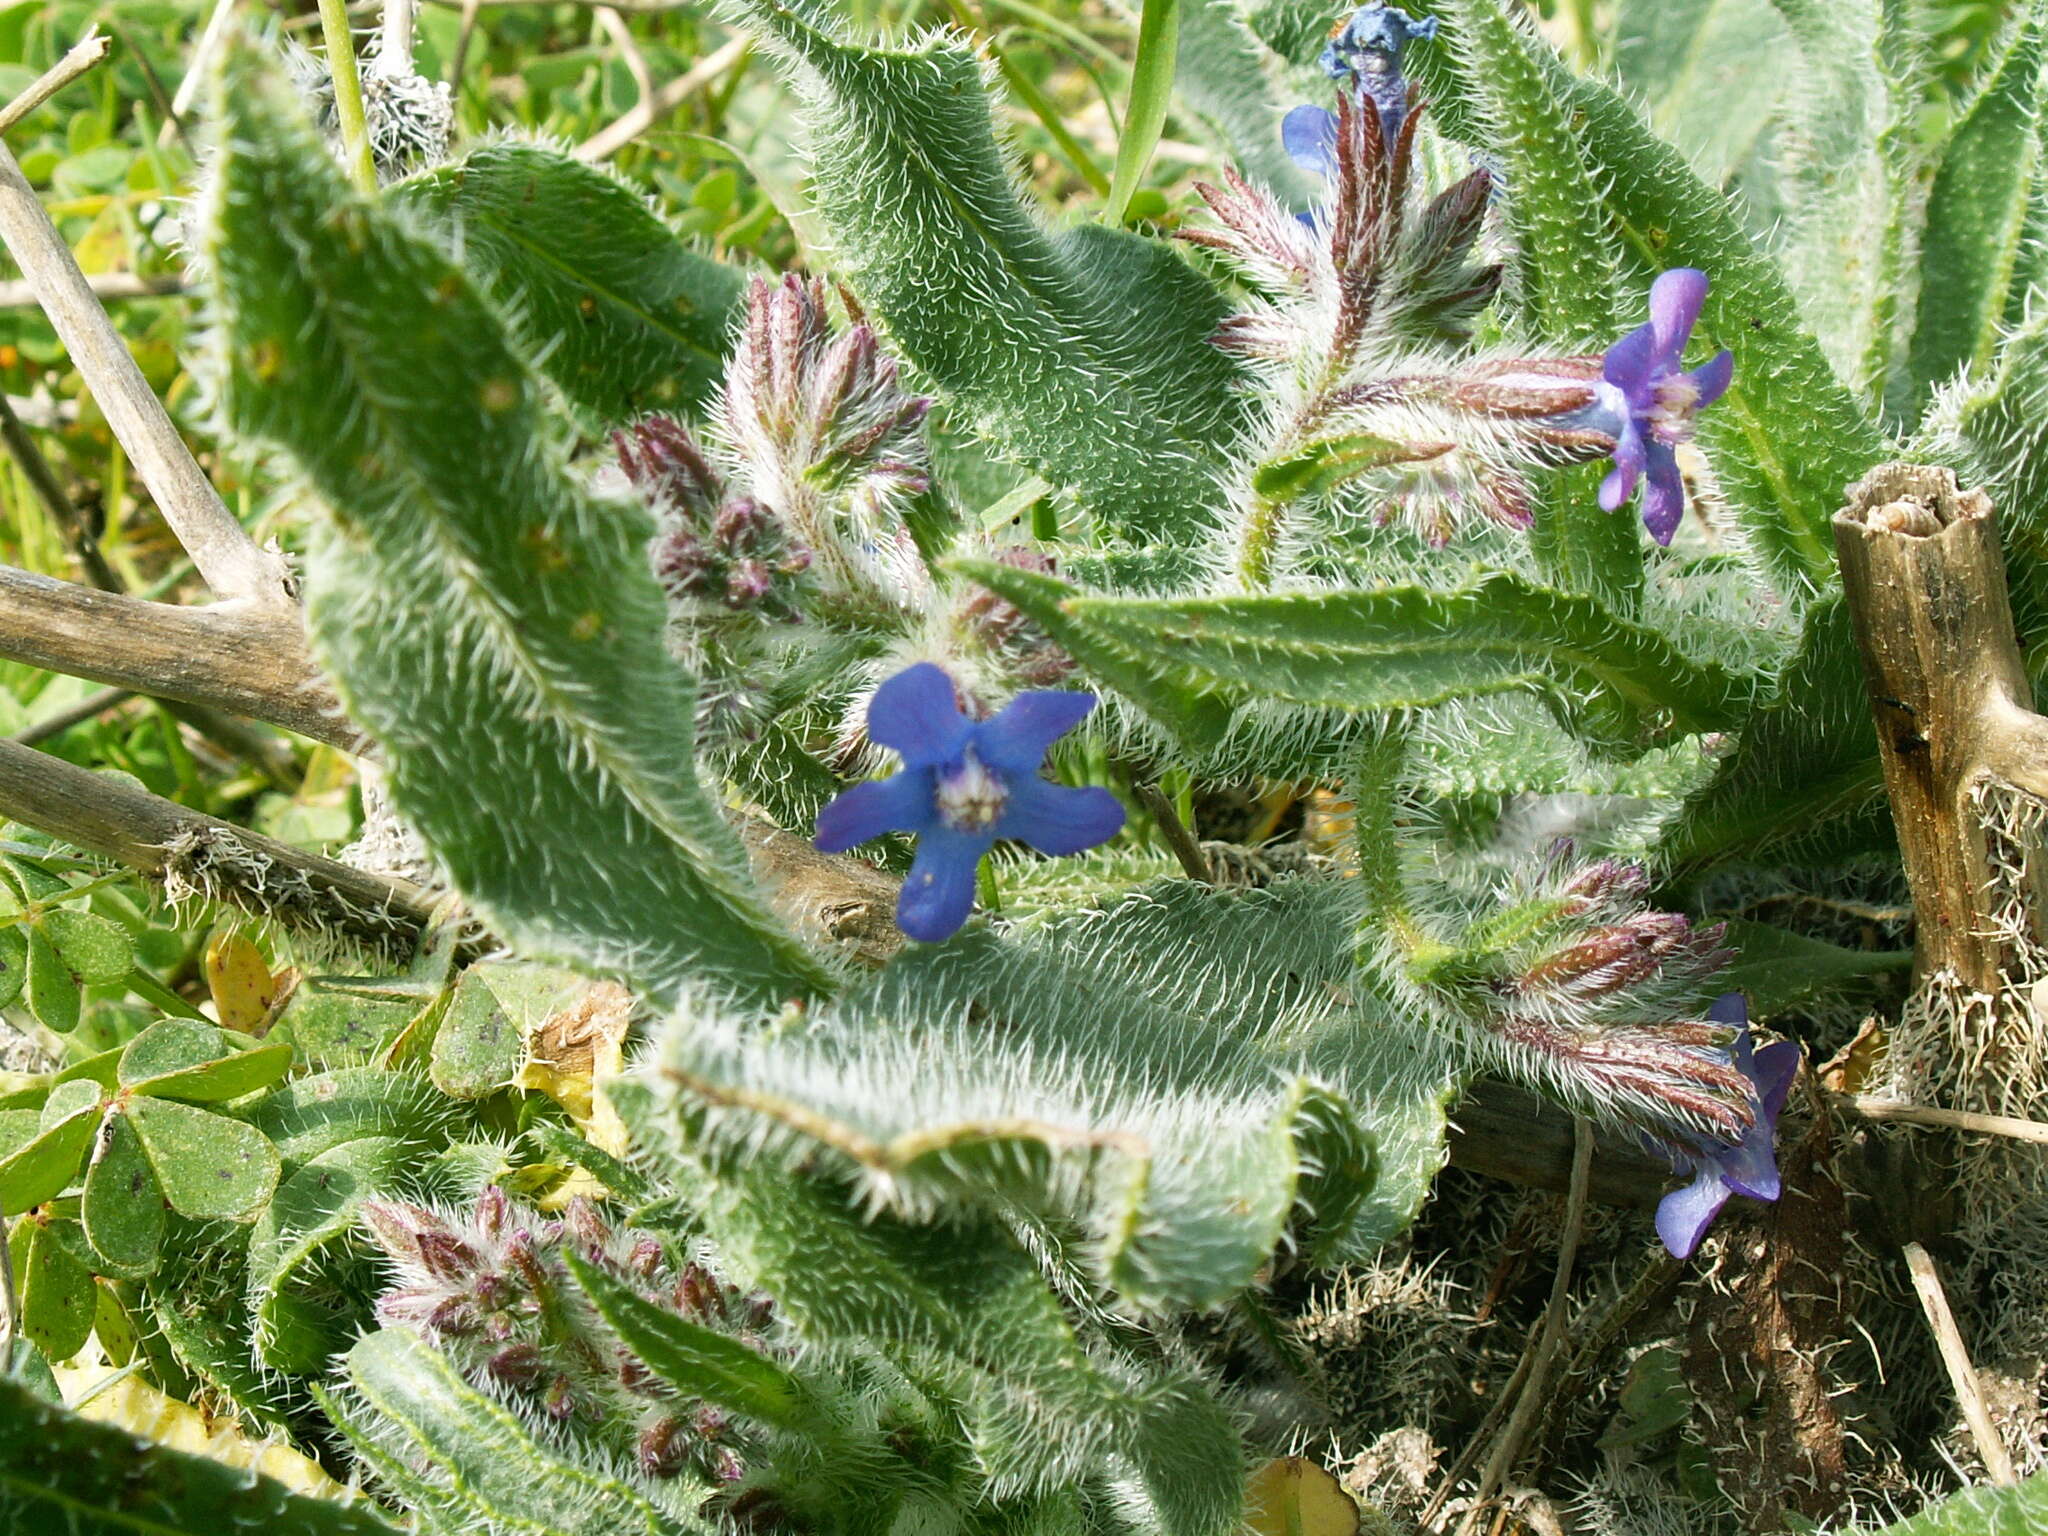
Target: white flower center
[970, 797]
[1677, 402]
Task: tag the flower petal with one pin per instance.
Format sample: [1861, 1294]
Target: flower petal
[1730, 1008]
[1055, 819]
[1663, 493]
[1684, 1215]
[1016, 739]
[900, 803]
[1309, 135]
[939, 894]
[913, 713]
[1712, 378]
[1675, 300]
[1630, 364]
[1620, 483]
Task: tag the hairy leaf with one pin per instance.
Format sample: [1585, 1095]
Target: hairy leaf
[1976, 215]
[59, 1472]
[1400, 647]
[488, 619]
[1083, 353]
[620, 313]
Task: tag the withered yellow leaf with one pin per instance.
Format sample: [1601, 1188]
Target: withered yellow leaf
[1292, 1496]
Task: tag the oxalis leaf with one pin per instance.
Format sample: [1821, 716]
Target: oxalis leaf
[1400, 647]
[1083, 353]
[60, 1472]
[623, 316]
[491, 622]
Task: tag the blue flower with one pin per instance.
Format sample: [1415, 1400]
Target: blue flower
[1366, 52]
[1309, 135]
[1749, 1166]
[964, 784]
[1646, 403]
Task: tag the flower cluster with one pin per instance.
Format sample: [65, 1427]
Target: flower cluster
[994, 626]
[1589, 992]
[491, 1289]
[964, 784]
[830, 440]
[713, 546]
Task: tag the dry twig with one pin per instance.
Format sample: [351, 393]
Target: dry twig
[1951, 1119]
[84, 54]
[1955, 1356]
[649, 110]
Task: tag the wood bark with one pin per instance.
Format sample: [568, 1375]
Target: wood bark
[1948, 688]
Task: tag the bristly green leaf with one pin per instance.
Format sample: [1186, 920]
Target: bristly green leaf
[1694, 64]
[1221, 78]
[1773, 967]
[1398, 647]
[60, 1472]
[695, 1360]
[620, 313]
[489, 620]
[482, 1458]
[1565, 247]
[1976, 216]
[1990, 1511]
[1167, 694]
[1804, 781]
[299, 1324]
[1788, 435]
[1850, 152]
[1085, 353]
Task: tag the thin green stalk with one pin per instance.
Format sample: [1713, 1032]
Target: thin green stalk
[348, 94]
[1151, 95]
[1028, 92]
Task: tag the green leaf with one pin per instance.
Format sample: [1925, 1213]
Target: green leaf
[1184, 1136]
[1220, 78]
[1788, 436]
[1804, 782]
[478, 1048]
[625, 317]
[210, 1167]
[1693, 63]
[1151, 94]
[307, 1116]
[331, 1025]
[60, 1472]
[1084, 354]
[493, 1467]
[123, 1207]
[1401, 647]
[2016, 1511]
[1773, 968]
[1565, 246]
[695, 1360]
[45, 1162]
[56, 1290]
[464, 575]
[95, 949]
[1167, 695]
[13, 962]
[185, 1059]
[299, 1324]
[52, 989]
[1976, 215]
[1852, 160]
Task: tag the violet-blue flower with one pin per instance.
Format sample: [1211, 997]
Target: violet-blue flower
[964, 784]
[1366, 51]
[1646, 402]
[1720, 1169]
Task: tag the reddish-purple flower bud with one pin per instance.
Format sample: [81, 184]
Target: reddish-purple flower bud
[667, 468]
[446, 1256]
[559, 1402]
[697, 1292]
[747, 582]
[644, 1257]
[492, 1208]
[662, 1447]
[517, 1365]
[709, 1422]
[726, 1466]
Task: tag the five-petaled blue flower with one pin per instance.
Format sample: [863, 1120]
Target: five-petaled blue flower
[1750, 1166]
[964, 784]
[1646, 403]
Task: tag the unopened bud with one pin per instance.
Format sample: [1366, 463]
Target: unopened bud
[446, 1256]
[662, 1447]
[516, 1365]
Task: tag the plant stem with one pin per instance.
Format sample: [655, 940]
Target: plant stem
[348, 94]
